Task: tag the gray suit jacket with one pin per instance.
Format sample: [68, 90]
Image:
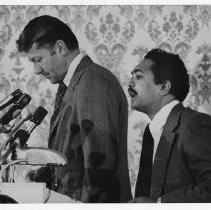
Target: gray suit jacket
[182, 166]
[91, 130]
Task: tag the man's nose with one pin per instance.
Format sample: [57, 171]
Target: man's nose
[38, 69]
[131, 82]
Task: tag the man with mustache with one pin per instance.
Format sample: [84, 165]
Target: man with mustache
[89, 124]
[175, 163]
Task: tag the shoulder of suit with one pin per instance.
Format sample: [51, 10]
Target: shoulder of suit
[195, 121]
[95, 70]
[193, 113]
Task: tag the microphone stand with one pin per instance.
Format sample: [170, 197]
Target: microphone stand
[5, 167]
[11, 169]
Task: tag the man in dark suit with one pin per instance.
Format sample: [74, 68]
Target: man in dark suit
[176, 166]
[89, 124]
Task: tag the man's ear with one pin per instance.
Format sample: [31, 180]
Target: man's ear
[60, 47]
[165, 87]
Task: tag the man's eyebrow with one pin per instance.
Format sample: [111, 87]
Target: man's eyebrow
[34, 58]
[136, 70]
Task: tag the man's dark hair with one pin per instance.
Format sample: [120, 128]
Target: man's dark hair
[46, 30]
[169, 66]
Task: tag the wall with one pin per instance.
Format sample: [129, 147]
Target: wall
[116, 37]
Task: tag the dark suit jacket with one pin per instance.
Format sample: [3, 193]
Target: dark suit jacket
[182, 165]
[91, 130]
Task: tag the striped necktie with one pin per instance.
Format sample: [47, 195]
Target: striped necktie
[59, 96]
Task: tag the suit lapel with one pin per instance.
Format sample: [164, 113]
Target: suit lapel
[163, 152]
[85, 62]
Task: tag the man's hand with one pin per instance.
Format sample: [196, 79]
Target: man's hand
[142, 200]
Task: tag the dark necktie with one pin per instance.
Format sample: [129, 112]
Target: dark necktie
[59, 96]
[145, 167]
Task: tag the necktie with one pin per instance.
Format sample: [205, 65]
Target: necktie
[145, 168]
[59, 96]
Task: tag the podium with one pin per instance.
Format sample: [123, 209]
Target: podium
[25, 192]
[33, 192]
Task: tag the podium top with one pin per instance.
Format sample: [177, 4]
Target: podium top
[39, 156]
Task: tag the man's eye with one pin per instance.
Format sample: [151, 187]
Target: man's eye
[37, 60]
[138, 76]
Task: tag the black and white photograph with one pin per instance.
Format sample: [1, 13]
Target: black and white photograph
[105, 103]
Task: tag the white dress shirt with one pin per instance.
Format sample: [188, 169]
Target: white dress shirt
[158, 122]
[72, 68]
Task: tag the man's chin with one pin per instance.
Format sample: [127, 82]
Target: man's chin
[133, 106]
[136, 107]
[53, 81]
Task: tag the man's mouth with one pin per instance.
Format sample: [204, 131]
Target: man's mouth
[132, 92]
[46, 75]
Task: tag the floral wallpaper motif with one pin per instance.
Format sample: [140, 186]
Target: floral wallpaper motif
[116, 37]
[109, 34]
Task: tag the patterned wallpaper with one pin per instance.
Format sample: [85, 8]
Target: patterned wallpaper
[116, 37]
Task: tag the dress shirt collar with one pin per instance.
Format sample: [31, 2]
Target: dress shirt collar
[156, 125]
[72, 68]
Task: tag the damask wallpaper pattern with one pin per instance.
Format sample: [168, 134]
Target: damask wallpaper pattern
[116, 37]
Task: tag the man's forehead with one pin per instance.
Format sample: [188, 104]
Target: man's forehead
[34, 51]
[143, 66]
[34, 48]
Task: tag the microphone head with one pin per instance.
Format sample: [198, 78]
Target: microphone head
[39, 115]
[15, 110]
[11, 98]
[23, 101]
[17, 94]
[22, 136]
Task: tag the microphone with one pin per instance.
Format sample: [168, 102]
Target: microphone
[11, 98]
[7, 137]
[11, 128]
[35, 120]
[14, 110]
[24, 116]
[23, 135]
